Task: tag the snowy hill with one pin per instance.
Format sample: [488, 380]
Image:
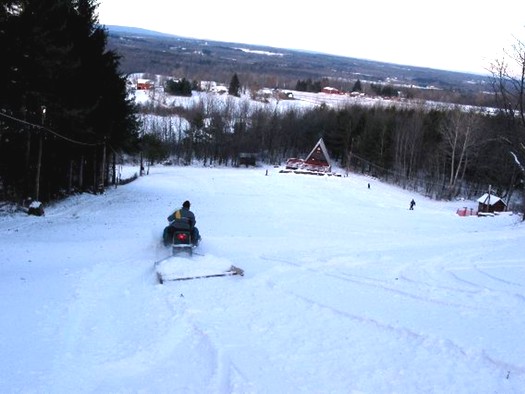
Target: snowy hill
[345, 291]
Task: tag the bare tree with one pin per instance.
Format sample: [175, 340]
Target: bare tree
[407, 139]
[508, 75]
[460, 136]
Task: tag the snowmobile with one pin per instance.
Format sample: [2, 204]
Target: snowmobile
[183, 241]
[179, 236]
[176, 267]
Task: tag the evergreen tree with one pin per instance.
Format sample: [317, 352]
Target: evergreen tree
[301, 86]
[61, 80]
[235, 86]
[181, 87]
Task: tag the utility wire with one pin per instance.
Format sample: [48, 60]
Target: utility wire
[50, 131]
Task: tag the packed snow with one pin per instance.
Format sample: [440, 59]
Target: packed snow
[345, 290]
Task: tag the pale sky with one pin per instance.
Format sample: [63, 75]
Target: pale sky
[457, 35]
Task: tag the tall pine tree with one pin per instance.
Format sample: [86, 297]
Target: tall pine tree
[235, 86]
[61, 80]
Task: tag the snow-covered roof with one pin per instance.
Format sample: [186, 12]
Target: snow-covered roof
[219, 89]
[490, 199]
[315, 152]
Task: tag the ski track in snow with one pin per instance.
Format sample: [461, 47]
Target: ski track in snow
[403, 333]
[366, 305]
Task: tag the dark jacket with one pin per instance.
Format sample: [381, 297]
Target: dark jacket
[183, 214]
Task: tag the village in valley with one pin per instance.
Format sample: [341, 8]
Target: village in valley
[227, 218]
[317, 161]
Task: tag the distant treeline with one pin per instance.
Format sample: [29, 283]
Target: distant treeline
[441, 153]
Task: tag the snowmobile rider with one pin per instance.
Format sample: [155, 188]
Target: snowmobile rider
[181, 215]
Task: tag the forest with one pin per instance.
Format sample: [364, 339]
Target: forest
[444, 154]
[64, 108]
[66, 119]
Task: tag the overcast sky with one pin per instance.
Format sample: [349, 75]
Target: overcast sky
[457, 35]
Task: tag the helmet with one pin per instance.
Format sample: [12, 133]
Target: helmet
[186, 204]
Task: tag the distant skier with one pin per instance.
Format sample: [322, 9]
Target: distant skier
[412, 204]
[185, 215]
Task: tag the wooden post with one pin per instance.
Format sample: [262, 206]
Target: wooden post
[487, 207]
[70, 177]
[38, 166]
[27, 182]
[39, 159]
[102, 180]
[114, 169]
[81, 173]
[95, 171]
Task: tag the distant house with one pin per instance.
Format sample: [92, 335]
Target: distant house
[285, 95]
[220, 89]
[207, 86]
[145, 84]
[264, 93]
[213, 87]
[329, 90]
[490, 203]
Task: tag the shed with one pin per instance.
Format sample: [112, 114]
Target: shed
[491, 203]
[247, 159]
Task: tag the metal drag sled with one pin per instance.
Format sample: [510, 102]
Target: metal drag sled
[183, 264]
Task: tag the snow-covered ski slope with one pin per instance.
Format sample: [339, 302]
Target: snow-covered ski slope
[345, 290]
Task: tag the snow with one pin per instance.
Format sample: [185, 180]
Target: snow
[345, 290]
[35, 204]
[488, 198]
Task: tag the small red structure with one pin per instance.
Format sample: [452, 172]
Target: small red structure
[145, 84]
[466, 212]
[317, 161]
